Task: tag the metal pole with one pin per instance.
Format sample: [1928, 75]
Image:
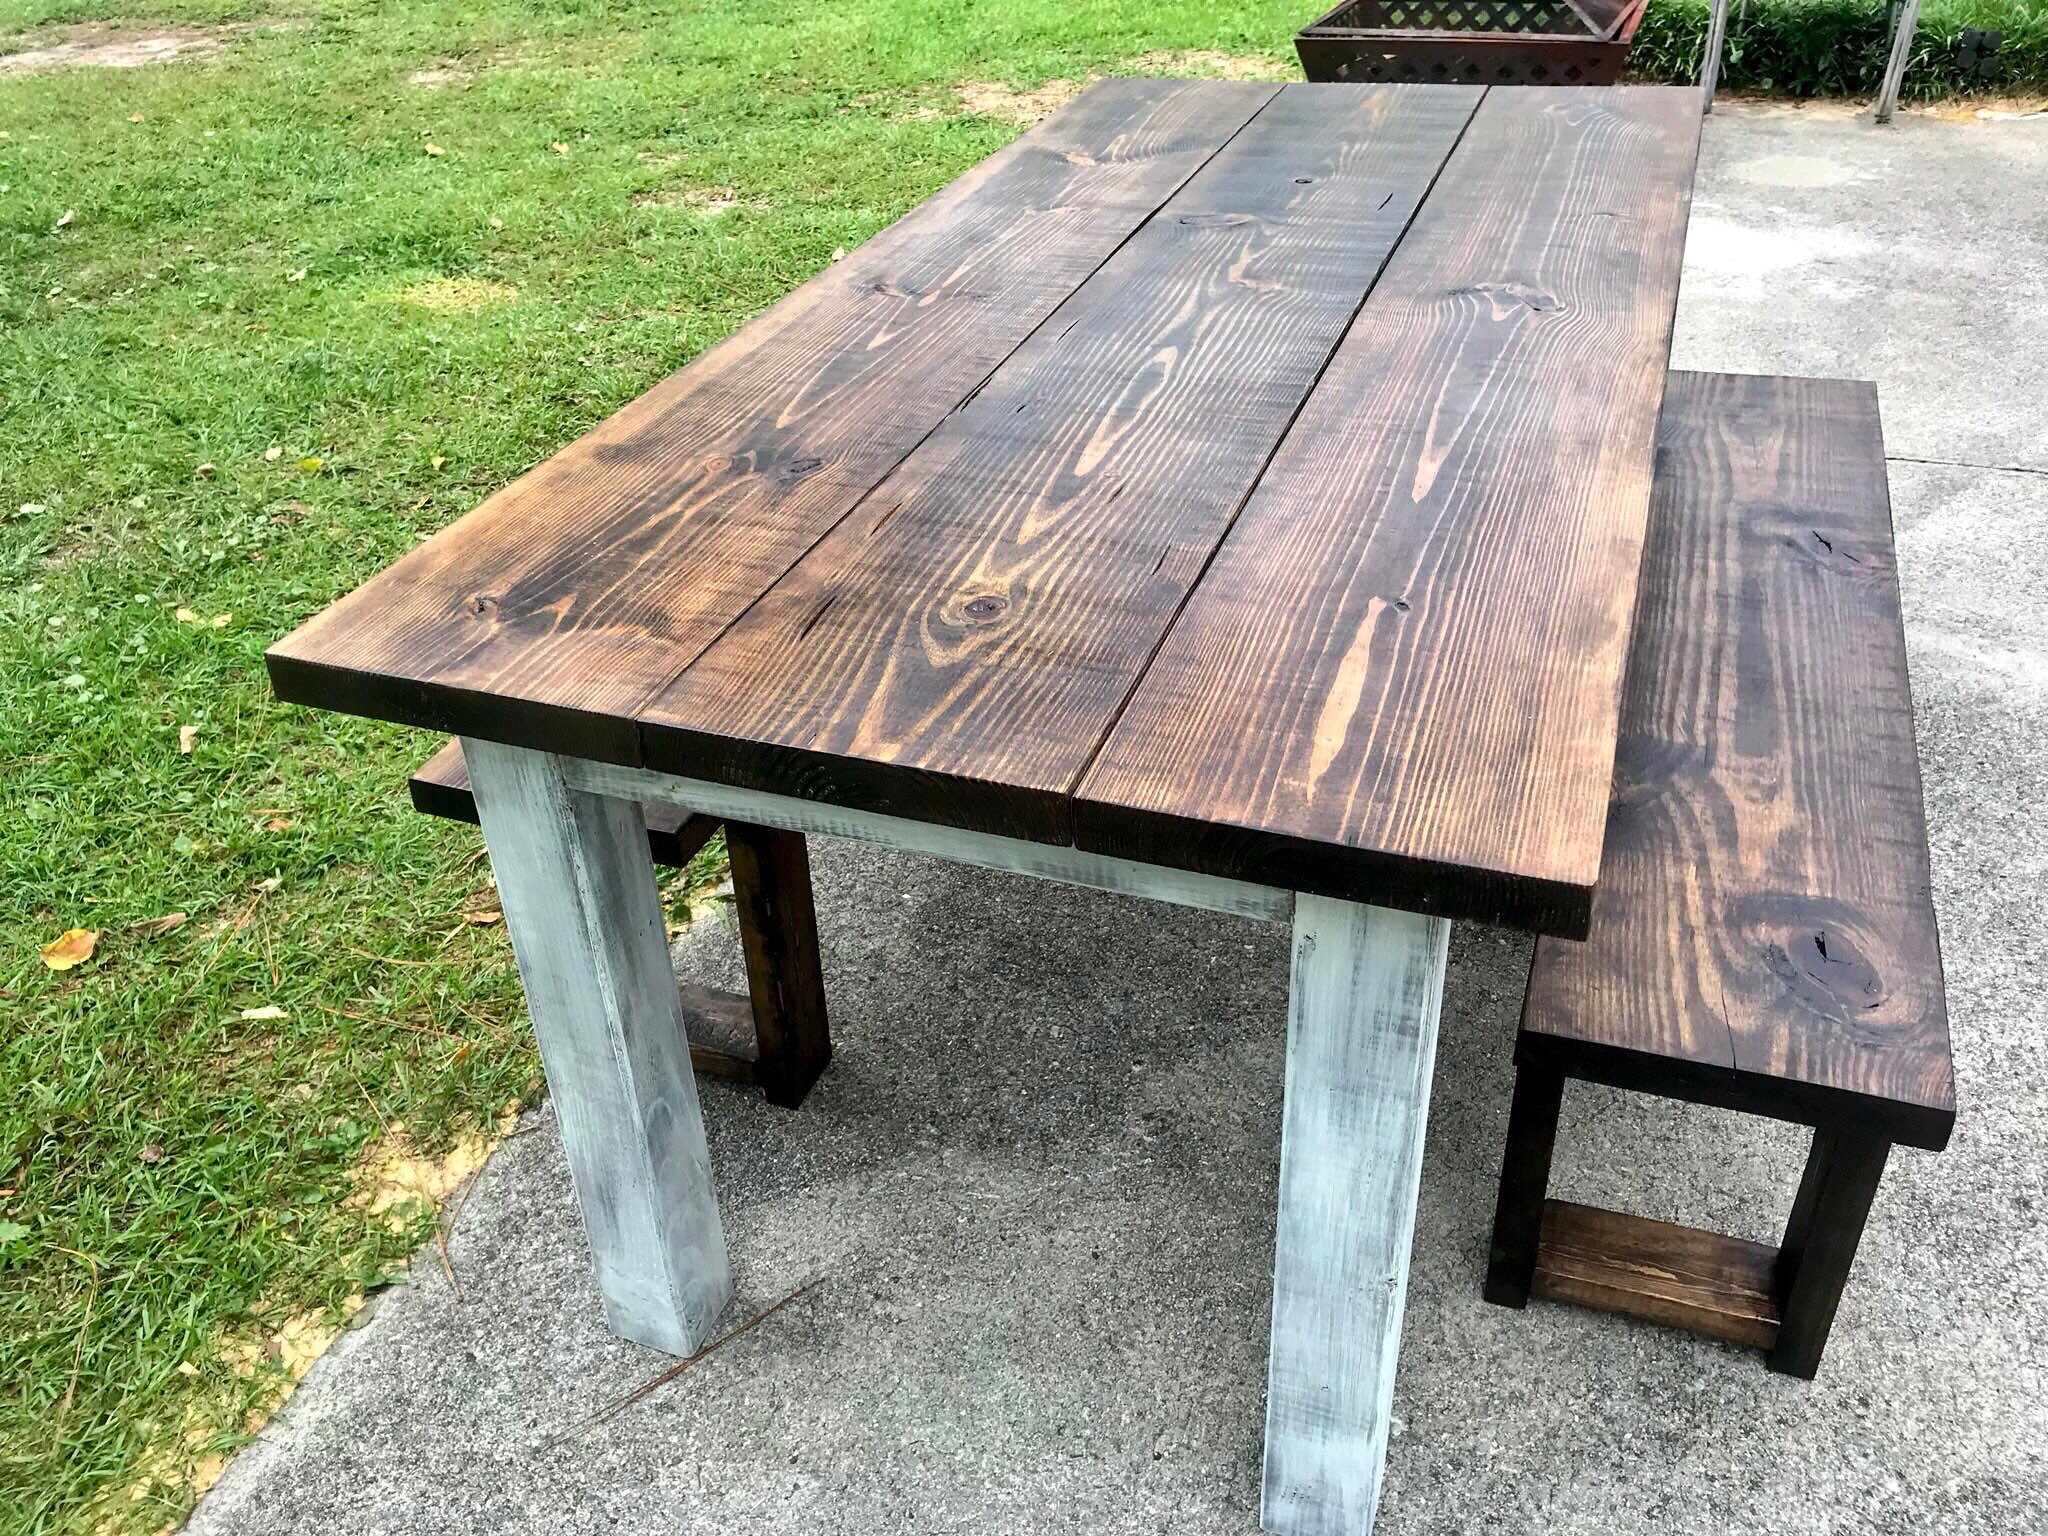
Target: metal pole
[1895, 70]
[1710, 66]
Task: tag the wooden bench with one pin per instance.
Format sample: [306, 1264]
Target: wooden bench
[1763, 937]
[776, 1037]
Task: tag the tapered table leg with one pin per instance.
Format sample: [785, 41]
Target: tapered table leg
[586, 923]
[1366, 989]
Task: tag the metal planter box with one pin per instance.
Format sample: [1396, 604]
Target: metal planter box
[1482, 42]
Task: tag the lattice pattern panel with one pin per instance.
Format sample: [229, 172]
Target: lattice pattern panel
[1435, 65]
[1550, 16]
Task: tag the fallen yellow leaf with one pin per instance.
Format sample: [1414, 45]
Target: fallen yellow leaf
[482, 919]
[75, 947]
[433, 149]
[223, 620]
[496, 222]
[134, 117]
[267, 1011]
[272, 454]
[296, 277]
[204, 471]
[438, 460]
[188, 738]
[187, 616]
[65, 218]
[558, 147]
[311, 462]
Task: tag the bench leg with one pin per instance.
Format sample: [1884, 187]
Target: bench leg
[1524, 1180]
[587, 929]
[1813, 1265]
[771, 884]
[1361, 1042]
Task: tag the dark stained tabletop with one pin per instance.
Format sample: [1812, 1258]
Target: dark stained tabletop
[1238, 477]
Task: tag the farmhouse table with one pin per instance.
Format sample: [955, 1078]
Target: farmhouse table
[1229, 493]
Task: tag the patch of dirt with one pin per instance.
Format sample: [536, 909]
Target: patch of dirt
[106, 45]
[1213, 64]
[257, 1363]
[458, 295]
[706, 200]
[395, 1182]
[1983, 108]
[990, 98]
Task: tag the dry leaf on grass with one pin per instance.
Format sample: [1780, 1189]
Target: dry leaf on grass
[157, 927]
[188, 739]
[267, 1011]
[73, 947]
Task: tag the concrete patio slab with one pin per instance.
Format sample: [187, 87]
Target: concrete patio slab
[1034, 1195]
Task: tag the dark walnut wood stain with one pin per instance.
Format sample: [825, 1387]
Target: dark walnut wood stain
[551, 613]
[1765, 912]
[1763, 938]
[1234, 477]
[1682, 1277]
[1403, 671]
[957, 648]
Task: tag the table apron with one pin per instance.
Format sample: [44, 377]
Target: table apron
[1048, 861]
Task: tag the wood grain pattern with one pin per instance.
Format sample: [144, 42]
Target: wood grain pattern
[587, 930]
[1765, 911]
[958, 647]
[440, 787]
[1364, 998]
[551, 613]
[1400, 679]
[1723, 1287]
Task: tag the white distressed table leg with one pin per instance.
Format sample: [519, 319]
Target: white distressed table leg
[1361, 1042]
[585, 917]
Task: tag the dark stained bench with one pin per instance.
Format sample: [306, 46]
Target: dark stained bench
[1763, 937]
[775, 1038]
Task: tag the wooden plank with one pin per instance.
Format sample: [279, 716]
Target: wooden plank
[1678, 1276]
[549, 614]
[1047, 861]
[587, 930]
[956, 649]
[441, 788]
[1765, 907]
[1821, 1238]
[1366, 990]
[720, 1026]
[1400, 679]
[1524, 1179]
[771, 888]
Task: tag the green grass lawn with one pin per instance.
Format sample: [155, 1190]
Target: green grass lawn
[257, 338]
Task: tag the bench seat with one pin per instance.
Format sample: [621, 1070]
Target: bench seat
[776, 1036]
[1763, 934]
